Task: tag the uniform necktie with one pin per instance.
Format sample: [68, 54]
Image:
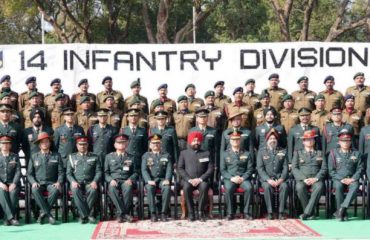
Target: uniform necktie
[133, 130]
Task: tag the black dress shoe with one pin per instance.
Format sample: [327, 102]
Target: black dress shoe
[230, 217]
[92, 220]
[120, 219]
[248, 217]
[303, 216]
[202, 217]
[82, 220]
[282, 216]
[41, 218]
[164, 217]
[14, 222]
[270, 216]
[129, 218]
[191, 217]
[51, 220]
[153, 218]
[341, 213]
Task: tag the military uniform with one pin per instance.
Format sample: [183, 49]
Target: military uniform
[86, 119]
[216, 118]
[247, 116]
[56, 117]
[169, 143]
[364, 142]
[263, 129]
[320, 118]
[169, 105]
[258, 117]
[75, 99]
[246, 140]
[23, 100]
[118, 99]
[288, 118]
[13, 98]
[13, 130]
[276, 97]
[26, 115]
[10, 173]
[332, 98]
[237, 164]
[252, 99]
[143, 102]
[273, 164]
[304, 99]
[120, 168]
[295, 142]
[157, 168]
[100, 139]
[362, 97]
[115, 117]
[195, 103]
[222, 101]
[309, 165]
[355, 118]
[84, 169]
[138, 143]
[65, 140]
[46, 170]
[30, 136]
[49, 101]
[184, 120]
[143, 120]
[345, 165]
[330, 136]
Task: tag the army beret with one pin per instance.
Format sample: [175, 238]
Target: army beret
[82, 139]
[327, 78]
[160, 115]
[34, 94]
[59, 96]
[251, 80]
[135, 83]
[6, 139]
[349, 96]
[274, 75]
[157, 103]
[102, 112]
[106, 78]
[4, 78]
[358, 74]
[209, 93]
[264, 94]
[336, 109]
[134, 100]
[120, 138]
[4, 94]
[234, 135]
[155, 138]
[132, 112]
[68, 110]
[304, 111]
[5, 107]
[37, 111]
[182, 98]
[269, 109]
[30, 79]
[189, 86]
[319, 96]
[238, 89]
[344, 135]
[202, 112]
[302, 78]
[84, 99]
[54, 81]
[287, 97]
[82, 81]
[164, 85]
[219, 83]
[107, 97]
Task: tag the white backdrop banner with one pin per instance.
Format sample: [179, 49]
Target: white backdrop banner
[179, 65]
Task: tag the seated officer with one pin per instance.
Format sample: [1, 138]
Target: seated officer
[156, 168]
[84, 173]
[121, 174]
[10, 173]
[195, 168]
[236, 168]
[45, 173]
[272, 167]
[309, 169]
[345, 168]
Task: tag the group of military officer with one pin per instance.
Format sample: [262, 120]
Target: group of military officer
[204, 140]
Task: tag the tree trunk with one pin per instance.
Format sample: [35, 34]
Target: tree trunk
[162, 21]
[307, 19]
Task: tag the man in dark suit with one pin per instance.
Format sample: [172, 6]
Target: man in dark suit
[195, 168]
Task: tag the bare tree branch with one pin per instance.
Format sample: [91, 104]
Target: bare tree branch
[307, 19]
[283, 15]
[162, 21]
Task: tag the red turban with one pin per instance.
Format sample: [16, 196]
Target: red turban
[193, 135]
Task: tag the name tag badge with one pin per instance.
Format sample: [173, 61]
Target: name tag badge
[163, 160]
[53, 161]
[244, 135]
[126, 168]
[204, 160]
[210, 135]
[301, 160]
[266, 157]
[91, 160]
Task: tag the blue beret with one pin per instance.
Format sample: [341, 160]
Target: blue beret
[164, 85]
[219, 83]
[30, 79]
[57, 80]
[330, 77]
[274, 75]
[4, 78]
[106, 78]
[349, 96]
[238, 89]
[82, 81]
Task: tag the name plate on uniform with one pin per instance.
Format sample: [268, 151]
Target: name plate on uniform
[91, 160]
[53, 161]
[244, 135]
[204, 160]
[210, 135]
[163, 160]
[126, 168]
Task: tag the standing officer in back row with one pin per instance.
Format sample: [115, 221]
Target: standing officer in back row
[309, 169]
[275, 91]
[184, 121]
[135, 89]
[108, 90]
[156, 168]
[304, 97]
[361, 92]
[84, 172]
[24, 97]
[83, 84]
[169, 104]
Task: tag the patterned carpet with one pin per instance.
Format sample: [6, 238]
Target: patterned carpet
[216, 229]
